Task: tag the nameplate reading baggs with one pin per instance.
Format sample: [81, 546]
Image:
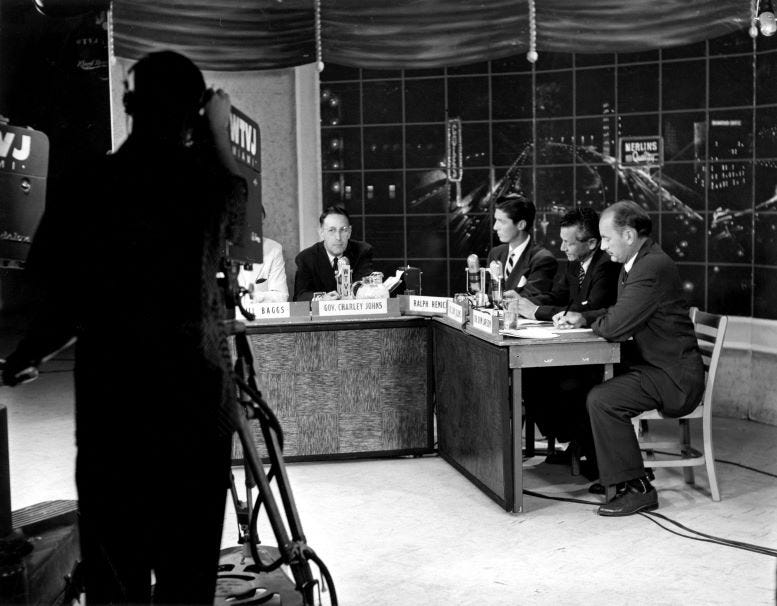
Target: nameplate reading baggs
[353, 307]
[485, 321]
[271, 310]
[456, 313]
[283, 313]
[416, 305]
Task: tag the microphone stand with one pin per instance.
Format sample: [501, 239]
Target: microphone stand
[292, 545]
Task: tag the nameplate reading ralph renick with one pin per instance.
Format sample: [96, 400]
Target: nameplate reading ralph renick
[350, 307]
[429, 305]
[483, 321]
[272, 310]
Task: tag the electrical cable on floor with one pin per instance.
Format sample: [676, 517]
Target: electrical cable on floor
[756, 470]
[707, 538]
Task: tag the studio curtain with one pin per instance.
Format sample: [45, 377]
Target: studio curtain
[231, 35]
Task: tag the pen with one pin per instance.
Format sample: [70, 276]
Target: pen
[564, 314]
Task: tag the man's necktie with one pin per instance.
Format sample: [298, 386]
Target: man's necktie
[334, 264]
[580, 275]
[510, 264]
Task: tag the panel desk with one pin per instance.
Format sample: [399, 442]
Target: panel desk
[346, 388]
[478, 398]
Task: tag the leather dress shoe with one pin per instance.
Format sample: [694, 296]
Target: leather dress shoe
[629, 502]
[598, 488]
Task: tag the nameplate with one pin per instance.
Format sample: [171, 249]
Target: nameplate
[284, 312]
[485, 321]
[271, 310]
[456, 313]
[353, 307]
[423, 306]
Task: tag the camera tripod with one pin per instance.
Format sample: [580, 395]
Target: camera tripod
[241, 582]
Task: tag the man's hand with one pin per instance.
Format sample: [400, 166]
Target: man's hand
[510, 295]
[217, 111]
[569, 319]
[526, 308]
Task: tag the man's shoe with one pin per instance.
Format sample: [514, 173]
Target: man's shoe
[629, 502]
[596, 488]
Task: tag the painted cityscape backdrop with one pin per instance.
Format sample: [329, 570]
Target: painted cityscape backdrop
[713, 200]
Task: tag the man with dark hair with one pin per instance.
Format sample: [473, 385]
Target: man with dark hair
[126, 262]
[555, 397]
[528, 270]
[317, 264]
[590, 280]
[661, 366]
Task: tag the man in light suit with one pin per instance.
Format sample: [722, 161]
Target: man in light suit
[316, 264]
[529, 268]
[661, 366]
[555, 397]
[265, 281]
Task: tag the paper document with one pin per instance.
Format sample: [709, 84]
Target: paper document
[521, 322]
[540, 332]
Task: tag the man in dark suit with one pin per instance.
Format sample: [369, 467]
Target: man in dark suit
[555, 397]
[316, 265]
[529, 268]
[661, 367]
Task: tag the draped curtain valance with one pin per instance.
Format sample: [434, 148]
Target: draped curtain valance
[231, 35]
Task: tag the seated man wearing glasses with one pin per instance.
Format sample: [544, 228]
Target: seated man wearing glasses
[316, 265]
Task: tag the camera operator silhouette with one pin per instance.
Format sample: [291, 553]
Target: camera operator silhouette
[125, 262]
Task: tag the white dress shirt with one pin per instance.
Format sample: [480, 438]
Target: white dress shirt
[266, 280]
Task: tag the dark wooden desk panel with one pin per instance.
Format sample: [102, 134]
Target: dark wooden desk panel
[474, 410]
[476, 420]
[346, 388]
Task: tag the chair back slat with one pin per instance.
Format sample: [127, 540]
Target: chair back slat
[710, 332]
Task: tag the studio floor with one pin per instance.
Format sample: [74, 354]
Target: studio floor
[414, 532]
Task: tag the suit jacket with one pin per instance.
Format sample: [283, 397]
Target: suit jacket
[598, 290]
[651, 310]
[269, 276]
[537, 264]
[315, 273]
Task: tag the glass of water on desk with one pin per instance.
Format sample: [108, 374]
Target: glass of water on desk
[511, 314]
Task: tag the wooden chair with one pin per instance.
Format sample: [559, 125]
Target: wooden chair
[710, 331]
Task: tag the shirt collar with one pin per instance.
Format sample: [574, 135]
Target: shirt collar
[517, 251]
[627, 265]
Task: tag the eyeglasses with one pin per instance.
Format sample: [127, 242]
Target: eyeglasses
[331, 231]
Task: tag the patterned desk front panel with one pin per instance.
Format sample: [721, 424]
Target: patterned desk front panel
[339, 391]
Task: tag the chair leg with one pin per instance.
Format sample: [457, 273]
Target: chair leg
[529, 433]
[709, 458]
[685, 440]
[551, 445]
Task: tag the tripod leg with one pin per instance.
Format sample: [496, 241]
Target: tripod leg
[292, 551]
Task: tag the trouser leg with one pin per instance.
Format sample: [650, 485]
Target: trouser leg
[611, 406]
[187, 539]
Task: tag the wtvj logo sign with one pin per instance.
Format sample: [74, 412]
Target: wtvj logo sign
[24, 164]
[244, 135]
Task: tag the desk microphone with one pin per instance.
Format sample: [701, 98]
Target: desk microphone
[343, 277]
[473, 274]
[497, 281]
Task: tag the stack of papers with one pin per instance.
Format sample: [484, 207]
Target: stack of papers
[540, 332]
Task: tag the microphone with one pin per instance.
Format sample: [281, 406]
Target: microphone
[343, 277]
[473, 274]
[497, 281]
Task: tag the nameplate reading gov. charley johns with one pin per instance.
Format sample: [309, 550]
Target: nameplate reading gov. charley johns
[350, 307]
